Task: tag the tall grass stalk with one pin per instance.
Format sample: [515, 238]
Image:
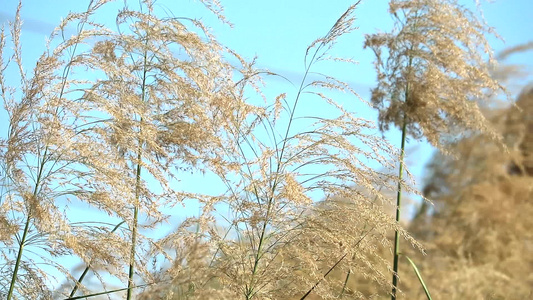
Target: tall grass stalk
[163, 97]
[395, 267]
[319, 45]
[131, 271]
[283, 239]
[22, 241]
[44, 158]
[398, 212]
[249, 293]
[431, 71]
[107, 292]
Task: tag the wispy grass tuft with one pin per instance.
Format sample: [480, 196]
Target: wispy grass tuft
[431, 71]
[306, 210]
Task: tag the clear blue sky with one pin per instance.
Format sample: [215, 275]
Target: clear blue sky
[278, 32]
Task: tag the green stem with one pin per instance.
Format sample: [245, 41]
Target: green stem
[66, 72]
[419, 276]
[323, 277]
[78, 282]
[249, 290]
[345, 283]
[105, 293]
[137, 183]
[134, 230]
[19, 257]
[26, 228]
[82, 276]
[398, 206]
[400, 175]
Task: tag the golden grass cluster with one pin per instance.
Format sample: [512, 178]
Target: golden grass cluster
[110, 119]
[430, 68]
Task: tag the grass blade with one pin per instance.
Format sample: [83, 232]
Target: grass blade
[419, 277]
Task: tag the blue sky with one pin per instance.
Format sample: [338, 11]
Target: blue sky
[278, 33]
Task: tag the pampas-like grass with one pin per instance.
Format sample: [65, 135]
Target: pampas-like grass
[307, 198]
[431, 73]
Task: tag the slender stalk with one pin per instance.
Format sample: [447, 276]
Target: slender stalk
[82, 276]
[131, 270]
[106, 292]
[323, 277]
[78, 282]
[398, 206]
[419, 276]
[134, 229]
[334, 266]
[249, 290]
[345, 283]
[400, 176]
[22, 242]
[19, 257]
